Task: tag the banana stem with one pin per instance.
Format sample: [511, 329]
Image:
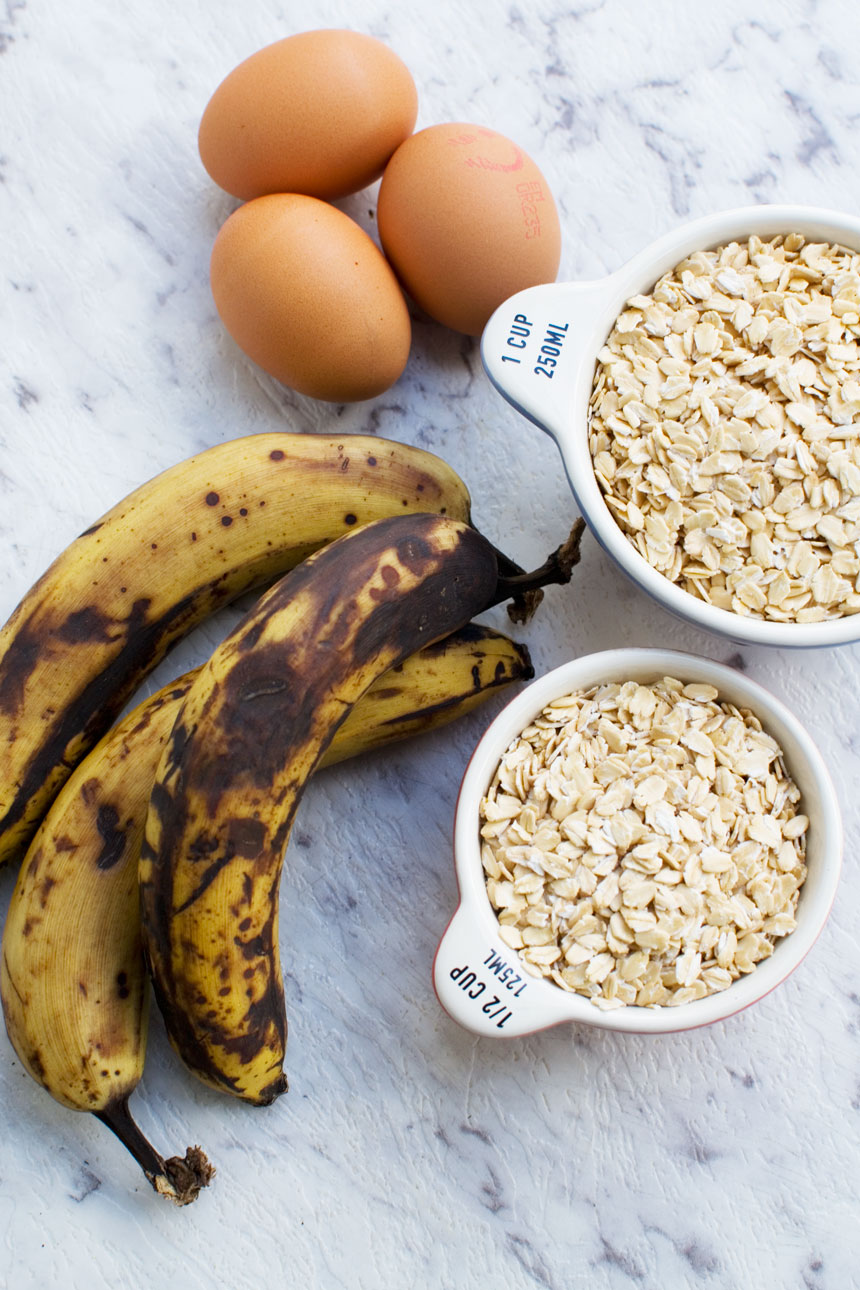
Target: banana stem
[524, 589]
[180, 1178]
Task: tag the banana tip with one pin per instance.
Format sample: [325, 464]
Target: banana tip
[181, 1178]
[184, 1177]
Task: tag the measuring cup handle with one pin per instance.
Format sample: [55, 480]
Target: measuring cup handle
[482, 985]
[534, 346]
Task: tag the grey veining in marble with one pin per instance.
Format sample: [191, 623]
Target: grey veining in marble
[408, 1152]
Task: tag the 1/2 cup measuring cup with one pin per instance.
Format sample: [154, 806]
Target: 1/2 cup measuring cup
[481, 982]
[540, 348]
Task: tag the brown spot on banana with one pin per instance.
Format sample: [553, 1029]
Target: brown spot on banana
[247, 837]
[84, 625]
[113, 837]
[45, 888]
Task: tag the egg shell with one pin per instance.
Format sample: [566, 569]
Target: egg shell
[318, 113]
[310, 298]
[466, 218]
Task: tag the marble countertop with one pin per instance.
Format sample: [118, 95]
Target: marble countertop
[408, 1152]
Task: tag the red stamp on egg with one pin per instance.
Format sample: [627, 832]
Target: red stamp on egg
[530, 194]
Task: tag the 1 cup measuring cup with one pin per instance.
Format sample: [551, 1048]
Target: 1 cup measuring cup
[539, 350]
[481, 982]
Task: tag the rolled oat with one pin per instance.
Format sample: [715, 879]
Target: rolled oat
[724, 426]
[642, 844]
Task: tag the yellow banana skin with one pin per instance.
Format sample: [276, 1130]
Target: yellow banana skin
[72, 979]
[250, 732]
[183, 544]
[429, 689]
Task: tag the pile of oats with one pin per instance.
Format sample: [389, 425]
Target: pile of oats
[724, 427]
[641, 844]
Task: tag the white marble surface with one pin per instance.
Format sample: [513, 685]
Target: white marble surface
[408, 1152]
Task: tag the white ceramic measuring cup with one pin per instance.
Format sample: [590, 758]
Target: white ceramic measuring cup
[482, 984]
[539, 350]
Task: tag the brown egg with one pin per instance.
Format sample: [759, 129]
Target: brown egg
[317, 113]
[310, 298]
[466, 219]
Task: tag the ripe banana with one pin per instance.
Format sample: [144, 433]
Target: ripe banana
[72, 978]
[250, 732]
[188, 541]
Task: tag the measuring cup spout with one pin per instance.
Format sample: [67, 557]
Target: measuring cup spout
[536, 344]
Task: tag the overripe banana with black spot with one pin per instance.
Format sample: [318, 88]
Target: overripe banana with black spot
[183, 544]
[72, 978]
[253, 727]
